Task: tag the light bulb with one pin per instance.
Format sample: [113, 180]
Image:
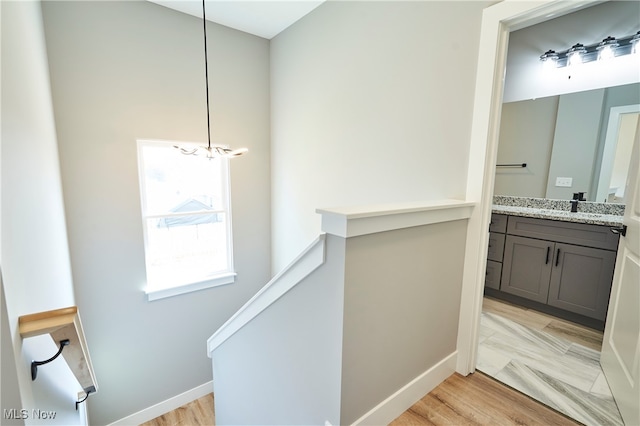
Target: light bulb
[635, 44]
[549, 60]
[606, 49]
[575, 54]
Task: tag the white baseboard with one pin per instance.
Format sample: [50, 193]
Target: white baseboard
[165, 406]
[409, 394]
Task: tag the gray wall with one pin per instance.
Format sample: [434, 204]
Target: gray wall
[401, 308]
[382, 310]
[127, 70]
[371, 103]
[526, 136]
[36, 273]
[575, 142]
[283, 368]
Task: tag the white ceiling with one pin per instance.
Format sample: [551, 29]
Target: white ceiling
[264, 18]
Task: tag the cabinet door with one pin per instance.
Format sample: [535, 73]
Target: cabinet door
[581, 280]
[526, 269]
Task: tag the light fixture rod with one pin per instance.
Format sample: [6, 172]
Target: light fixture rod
[217, 151]
[206, 73]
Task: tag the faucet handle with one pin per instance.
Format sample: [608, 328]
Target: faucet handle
[581, 196]
[574, 205]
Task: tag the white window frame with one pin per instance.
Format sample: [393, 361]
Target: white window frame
[206, 281]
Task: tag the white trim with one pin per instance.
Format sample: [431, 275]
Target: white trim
[348, 222]
[307, 262]
[164, 407]
[82, 410]
[610, 145]
[162, 293]
[409, 394]
[497, 21]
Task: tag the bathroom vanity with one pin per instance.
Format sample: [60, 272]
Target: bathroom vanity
[547, 258]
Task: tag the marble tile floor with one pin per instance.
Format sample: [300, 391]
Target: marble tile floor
[554, 370]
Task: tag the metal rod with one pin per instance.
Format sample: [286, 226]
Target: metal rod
[206, 73]
[512, 165]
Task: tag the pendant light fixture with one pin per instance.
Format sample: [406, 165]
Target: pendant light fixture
[210, 151]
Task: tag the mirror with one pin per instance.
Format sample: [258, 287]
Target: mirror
[576, 142]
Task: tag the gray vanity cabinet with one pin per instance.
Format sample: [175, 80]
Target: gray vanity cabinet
[564, 265]
[563, 268]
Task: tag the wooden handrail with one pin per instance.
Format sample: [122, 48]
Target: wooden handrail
[63, 324]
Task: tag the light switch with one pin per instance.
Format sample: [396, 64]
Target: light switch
[564, 182]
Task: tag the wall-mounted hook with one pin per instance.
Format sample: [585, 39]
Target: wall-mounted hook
[35, 364]
[87, 392]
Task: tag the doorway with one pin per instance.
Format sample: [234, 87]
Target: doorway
[498, 21]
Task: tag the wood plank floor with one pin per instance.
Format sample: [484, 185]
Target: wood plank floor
[196, 413]
[478, 400]
[473, 400]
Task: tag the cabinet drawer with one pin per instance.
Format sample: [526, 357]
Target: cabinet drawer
[498, 223]
[493, 275]
[496, 247]
[564, 232]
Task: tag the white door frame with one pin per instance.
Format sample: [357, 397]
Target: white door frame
[497, 21]
[610, 146]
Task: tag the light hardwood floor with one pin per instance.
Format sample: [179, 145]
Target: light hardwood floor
[473, 400]
[195, 413]
[478, 399]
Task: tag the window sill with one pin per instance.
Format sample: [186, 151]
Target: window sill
[162, 293]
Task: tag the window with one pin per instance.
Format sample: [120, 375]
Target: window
[186, 219]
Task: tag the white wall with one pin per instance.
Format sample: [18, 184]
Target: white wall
[371, 103]
[524, 79]
[127, 70]
[9, 387]
[36, 273]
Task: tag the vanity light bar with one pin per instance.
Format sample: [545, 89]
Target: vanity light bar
[617, 47]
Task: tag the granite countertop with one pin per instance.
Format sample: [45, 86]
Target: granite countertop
[588, 212]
